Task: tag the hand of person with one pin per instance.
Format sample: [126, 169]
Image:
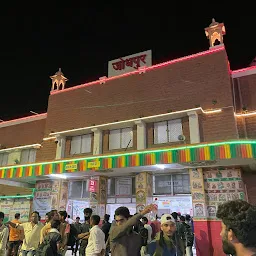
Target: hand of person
[148, 209]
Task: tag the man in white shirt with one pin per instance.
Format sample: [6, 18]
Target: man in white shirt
[96, 242]
[32, 232]
[4, 232]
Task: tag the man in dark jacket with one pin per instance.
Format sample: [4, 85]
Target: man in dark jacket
[123, 240]
[85, 228]
[166, 242]
[106, 228]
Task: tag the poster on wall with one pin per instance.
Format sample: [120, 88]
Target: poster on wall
[182, 204]
[63, 196]
[10, 207]
[22, 207]
[42, 199]
[222, 186]
[78, 209]
[5, 207]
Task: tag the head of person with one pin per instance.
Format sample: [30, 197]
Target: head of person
[87, 214]
[175, 216]
[46, 217]
[168, 225]
[53, 215]
[106, 217]
[188, 217]
[39, 217]
[122, 214]
[238, 227]
[144, 220]
[182, 219]
[94, 220]
[1, 218]
[34, 217]
[55, 224]
[17, 216]
[63, 215]
[77, 219]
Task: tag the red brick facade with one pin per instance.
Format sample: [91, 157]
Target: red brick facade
[22, 134]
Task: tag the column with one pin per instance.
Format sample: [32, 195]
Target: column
[194, 127]
[199, 211]
[98, 187]
[97, 141]
[60, 150]
[144, 190]
[141, 135]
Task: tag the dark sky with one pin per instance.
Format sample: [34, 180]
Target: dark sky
[81, 40]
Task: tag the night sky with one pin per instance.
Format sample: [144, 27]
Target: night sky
[81, 41]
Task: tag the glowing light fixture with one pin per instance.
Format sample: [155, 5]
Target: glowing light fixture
[160, 166]
[60, 176]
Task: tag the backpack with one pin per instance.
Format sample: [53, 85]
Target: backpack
[189, 236]
[144, 236]
[72, 238]
[49, 247]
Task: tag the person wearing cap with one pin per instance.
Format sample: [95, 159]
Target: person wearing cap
[166, 242]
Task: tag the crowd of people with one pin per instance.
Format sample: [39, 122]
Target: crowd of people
[127, 235]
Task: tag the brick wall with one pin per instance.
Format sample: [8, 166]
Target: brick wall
[246, 127]
[246, 96]
[221, 126]
[179, 86]
[251, 126]
[22, 134]
[47, 152]
[249, 179]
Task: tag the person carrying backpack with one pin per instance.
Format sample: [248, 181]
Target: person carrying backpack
[146, 235]
[51, 244]
[73, 238]
[188, 237]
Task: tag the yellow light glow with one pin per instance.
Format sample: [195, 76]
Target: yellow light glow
[21, 147]
[214, 111]
[253, 113]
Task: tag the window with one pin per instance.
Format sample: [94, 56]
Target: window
[3, 159]
[81, 144]
[121, 138]
[181, 184]
[172, 184]
[121, 186]
[78, 189]
[167, 131]
[28, 156]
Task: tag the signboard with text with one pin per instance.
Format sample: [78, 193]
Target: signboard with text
[129, 63]
[92, 186]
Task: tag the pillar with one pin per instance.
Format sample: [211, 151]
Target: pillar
[60, 150]
[141, 135]
[98, 187]
[194, 127]
[199, 212]
[97, 141]
[144, 190]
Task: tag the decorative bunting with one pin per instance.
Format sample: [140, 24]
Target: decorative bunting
[187, 154]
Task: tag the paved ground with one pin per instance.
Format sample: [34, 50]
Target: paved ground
[69, 253]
